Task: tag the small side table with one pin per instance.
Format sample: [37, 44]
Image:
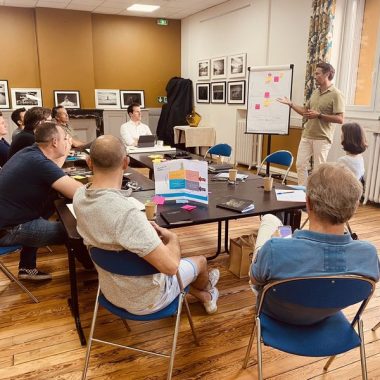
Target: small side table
[194, 136]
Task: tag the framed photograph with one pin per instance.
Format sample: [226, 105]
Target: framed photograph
[237, 65]
[219, 68]
[203, 92]
[68, 99]
[236, 92]
[4, 94]
[218, 92]
[204, 69]
[107, 99]
[132, 96]
[26, 97]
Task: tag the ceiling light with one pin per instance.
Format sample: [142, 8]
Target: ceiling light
[143, 8]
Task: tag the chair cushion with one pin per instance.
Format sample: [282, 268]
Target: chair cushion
[331, 336]
[168, 311]
[9, 249]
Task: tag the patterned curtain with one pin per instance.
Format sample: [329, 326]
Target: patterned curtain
[320, 39]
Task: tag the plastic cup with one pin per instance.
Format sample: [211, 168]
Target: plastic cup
[268, 183]
[160, 143]
[150, 210]
[232, 174]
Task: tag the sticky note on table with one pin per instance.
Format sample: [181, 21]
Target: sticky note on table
[158, 200]
[188, 207]
[78, 177]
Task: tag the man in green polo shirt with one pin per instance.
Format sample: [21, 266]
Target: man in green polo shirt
[325, 106]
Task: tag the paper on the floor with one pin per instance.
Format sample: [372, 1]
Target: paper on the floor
[290, 195]
[71, 208]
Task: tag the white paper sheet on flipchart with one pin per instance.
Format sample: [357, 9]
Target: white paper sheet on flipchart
[139, 205]
[290, 195]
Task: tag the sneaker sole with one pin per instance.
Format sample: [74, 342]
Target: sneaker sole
[34, 278]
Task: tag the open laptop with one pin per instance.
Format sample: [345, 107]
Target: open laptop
[146, 141]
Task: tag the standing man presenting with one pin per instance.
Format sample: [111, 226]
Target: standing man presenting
[325, 106]
[134, 128]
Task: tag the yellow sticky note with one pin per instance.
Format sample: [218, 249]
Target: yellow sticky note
[78, 177]
[266, 102]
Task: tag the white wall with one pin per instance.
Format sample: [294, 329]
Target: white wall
[271, 32]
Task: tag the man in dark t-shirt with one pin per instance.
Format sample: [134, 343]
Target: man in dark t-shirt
[26, 183]
[4, 145]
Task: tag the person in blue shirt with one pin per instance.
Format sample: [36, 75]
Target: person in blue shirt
[332, 196]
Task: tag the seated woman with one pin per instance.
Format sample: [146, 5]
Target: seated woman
[354, 144]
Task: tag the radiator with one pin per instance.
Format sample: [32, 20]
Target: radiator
[248, 146]
[372, 182]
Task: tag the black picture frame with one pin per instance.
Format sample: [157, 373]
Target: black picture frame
[128, 97]
[4, 94]
[218, 92]
[236, 92]
[203, 92]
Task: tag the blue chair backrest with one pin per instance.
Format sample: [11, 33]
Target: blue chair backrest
[221, 150]
[9, 249]
[281, 157]
[318, 292]
[124, 263]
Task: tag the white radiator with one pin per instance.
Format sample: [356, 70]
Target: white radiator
[248, 146]
[372, 182]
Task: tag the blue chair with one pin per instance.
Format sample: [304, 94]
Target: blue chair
[221, 150]
[129, 264]
[324, 295]
[281, 157]
[4, 251]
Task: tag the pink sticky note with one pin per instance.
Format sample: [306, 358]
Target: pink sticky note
[267, 94]
[276, 79]
[158, 200]
[188, 207]
[257, 106]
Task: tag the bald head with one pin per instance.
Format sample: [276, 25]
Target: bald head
[107, 153]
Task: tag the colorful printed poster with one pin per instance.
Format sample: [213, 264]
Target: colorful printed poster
[182, 179]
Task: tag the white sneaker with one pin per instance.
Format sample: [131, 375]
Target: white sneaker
[213, 278]
[210, 306]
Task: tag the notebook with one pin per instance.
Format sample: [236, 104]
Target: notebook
[218, 168]
[176, 216]
[146, 141]
[237, 204]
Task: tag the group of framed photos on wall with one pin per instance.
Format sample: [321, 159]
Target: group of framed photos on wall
[104, 99]
[231, 67]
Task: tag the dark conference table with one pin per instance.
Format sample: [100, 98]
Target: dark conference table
[252, 189]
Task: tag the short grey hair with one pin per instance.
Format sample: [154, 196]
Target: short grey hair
[334, 193]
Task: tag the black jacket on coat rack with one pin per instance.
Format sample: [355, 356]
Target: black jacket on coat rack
[180, 103]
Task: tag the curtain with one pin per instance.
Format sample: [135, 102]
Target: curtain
[320, 39]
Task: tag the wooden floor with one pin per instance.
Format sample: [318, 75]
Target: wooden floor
[39, 341]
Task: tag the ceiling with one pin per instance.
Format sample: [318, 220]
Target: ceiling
[174, 9]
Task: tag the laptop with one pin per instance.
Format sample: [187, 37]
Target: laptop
[146, 141]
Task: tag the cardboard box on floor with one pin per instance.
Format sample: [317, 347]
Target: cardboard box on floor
[241, 251]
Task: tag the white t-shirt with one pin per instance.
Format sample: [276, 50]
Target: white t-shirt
[131, 131]
[354, 163]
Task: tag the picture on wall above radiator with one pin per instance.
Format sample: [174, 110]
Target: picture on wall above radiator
[132, 96]
[4, 94]
[26, 97]
[67, 98]
[237, 65]
[218, 92]
[203, 92]
[203, 69]
[107, 99]
[219, 68]
[236, 92]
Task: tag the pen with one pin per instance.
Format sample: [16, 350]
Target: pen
[286, 192]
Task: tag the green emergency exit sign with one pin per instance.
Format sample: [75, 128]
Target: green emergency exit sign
[162, 21]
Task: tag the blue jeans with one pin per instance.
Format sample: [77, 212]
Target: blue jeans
[32, 235]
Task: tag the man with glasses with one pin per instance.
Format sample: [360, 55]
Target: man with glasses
[134, 128]
[28, 182]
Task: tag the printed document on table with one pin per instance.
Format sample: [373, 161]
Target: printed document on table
[290, 195]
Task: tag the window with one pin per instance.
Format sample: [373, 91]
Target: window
[359, 59]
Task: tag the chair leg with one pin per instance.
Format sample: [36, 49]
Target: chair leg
[259, 352]
[14, 279]
[190, 319]
[49, 249]
[376, 327]
[245, 364]
[89, 343]
[362, 351]
[327, 365]
[176, 330]
[126, 325]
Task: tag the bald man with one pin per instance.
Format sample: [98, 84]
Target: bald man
[107, 219]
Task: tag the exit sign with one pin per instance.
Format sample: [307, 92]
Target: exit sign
[162, 21]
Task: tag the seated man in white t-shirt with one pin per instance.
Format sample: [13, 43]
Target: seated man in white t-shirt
[134, 128]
